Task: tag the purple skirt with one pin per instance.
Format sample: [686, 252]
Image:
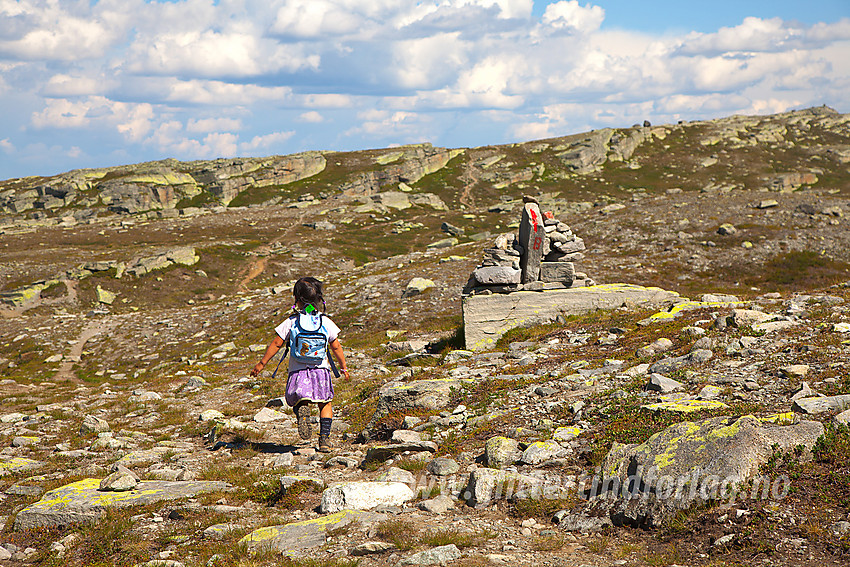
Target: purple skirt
[310, 384]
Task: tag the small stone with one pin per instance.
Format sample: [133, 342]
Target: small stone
[93, 424]
[119, 481]
[372, 548]
[794, 371]
[210, 415]
[660, 383]
[767, 204]
[726, 229]
[439, 505]
[417, 286]
[442, 466]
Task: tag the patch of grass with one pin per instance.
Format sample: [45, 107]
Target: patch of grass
[542, 508]
[549, 543]
[400, 533]
[406, 536]
[598, 544]
[108, 541]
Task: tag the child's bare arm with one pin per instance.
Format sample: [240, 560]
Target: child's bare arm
[272, 349]
[336, 350]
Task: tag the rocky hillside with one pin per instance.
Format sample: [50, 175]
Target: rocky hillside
[134, 301]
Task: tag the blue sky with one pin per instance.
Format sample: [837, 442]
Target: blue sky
[94, 84]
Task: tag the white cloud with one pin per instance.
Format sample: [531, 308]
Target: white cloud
[7, 146]
[213, 124]
[54, 31]
[312, 117]
[267, 141]
[64, 85]
[220, 93]
[210, 54]
[569, 15]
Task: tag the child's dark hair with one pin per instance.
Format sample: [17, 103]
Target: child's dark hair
[308, 291]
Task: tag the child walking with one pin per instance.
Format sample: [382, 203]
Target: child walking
[309, 336]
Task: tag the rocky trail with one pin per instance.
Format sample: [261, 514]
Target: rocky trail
[706, 428]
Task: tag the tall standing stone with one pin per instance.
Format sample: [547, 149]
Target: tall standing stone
[532, 238]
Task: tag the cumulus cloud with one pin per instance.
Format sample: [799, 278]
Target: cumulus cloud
[54, 31]
[266, 141]
[6, 146]
[210, 54]
[570, 16]
[312, 117]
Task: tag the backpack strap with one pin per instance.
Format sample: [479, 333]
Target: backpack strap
[328, 350]
[285, 352]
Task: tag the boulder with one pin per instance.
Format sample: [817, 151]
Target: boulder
[497, 275]
[93, 424]
[643, 484]
[436, 556]
[822, 404]
[501, 452]
[542, 451]
[486, 485]
[660, 383]
[13, 465]
[417, 286]
[364, 495]
[401, 397]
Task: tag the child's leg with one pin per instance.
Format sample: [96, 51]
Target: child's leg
[325, 422]
[326, 409]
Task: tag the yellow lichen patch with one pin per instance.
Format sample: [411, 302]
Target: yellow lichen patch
[685, 406]
[389, 158]
[674, 311]
[14, 464]
[787, 418]
[567, 433]
[323, 523]
[669, 455]
[169, 178]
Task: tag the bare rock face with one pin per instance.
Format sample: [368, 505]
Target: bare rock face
[364, 496]
[691, 461]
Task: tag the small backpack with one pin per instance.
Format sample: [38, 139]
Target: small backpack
[308, 342]
[308, 339]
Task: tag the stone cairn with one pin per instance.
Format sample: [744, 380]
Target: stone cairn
[542, 256]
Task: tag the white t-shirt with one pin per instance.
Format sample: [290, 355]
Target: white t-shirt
[282, 331]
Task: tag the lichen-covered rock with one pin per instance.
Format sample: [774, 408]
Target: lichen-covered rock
[642, 484]
[542, 451]
[501, 452]
[436, 556]
[294, 539]
[10, 465]
[82, 502]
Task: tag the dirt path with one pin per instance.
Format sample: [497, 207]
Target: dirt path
[90, 330]
[256, 267]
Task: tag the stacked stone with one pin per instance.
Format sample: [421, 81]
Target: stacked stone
[541, 256]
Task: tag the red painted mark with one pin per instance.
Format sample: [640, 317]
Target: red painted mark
[537, 242]
[533, 219]
[548, 215]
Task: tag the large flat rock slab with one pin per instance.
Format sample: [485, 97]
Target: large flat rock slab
[294, 539]
[488, 317]
[82, 502]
